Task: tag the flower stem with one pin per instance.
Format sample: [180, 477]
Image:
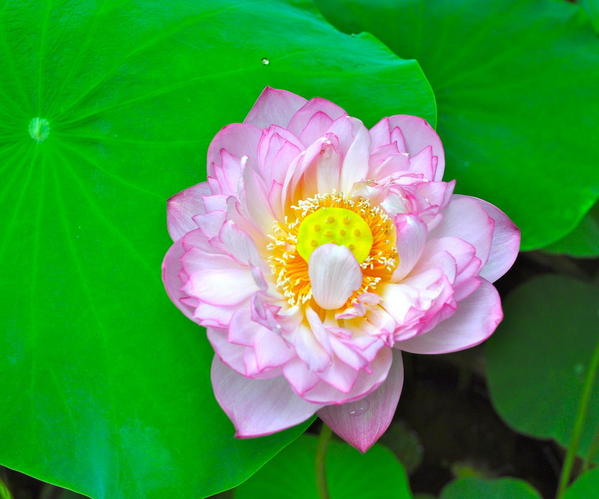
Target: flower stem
[593, 449]
[321, 452]
[583, 406]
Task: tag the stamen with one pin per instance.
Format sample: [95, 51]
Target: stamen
[371, 238]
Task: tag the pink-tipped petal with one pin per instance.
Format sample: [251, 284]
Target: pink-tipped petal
[473, 322]
[274, 107]
[182, 207]
[465, 218]
[418, 134]
[238, 140]
[361, 423]
[334, 274]
[171, 270]
[505, 244]
[216, 279]
[355, 163]
[366, 382]
[422, 163]
[313, 118]
[411, 236]
[258, 407]
[328, 168]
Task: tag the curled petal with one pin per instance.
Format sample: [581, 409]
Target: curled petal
[258, 407]
[416, 133]
[274, 107]
[334, 274]
[362, 422]
[504, 246]
[465, 218]
[366, 382]
[474, 321]
[182, 207]
[171, 271]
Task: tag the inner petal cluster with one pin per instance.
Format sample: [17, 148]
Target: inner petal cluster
[366, 230]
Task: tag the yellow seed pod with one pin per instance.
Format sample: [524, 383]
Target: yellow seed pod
[343, 227]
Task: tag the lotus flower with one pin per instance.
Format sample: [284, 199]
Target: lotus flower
[317, 252]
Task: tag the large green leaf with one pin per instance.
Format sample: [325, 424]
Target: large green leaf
[538, 359]
[592, 8]
[106, 110]
[479, 488]
[583, 241]
[516, 84]
[585, 486]
[291, 474]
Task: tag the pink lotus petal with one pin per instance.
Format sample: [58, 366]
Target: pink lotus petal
[340, 376]
[274, 107]
[238, 140]
[354, 143]
[328, 168]
[319, 164]
[182, 207]
[239, 245]
[258, 407]
[216, 279]
[505, 244]
[362, 422]
[417, 134]
[315, 128]
[252, 200]
[309, 349]
[300, 377]
[466, 219]
[210, 223]
[474, 321]
[411, 236]
[318, 113]
[277, 148]
[334, 274]
[213, 316]
[422, 162]
[171, 270]
[366, 382]
[271, 350]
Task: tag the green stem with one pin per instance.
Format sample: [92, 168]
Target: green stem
[321, 452]
[579, 424]
[593, 449]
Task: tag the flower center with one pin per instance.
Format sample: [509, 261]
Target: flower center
[334, 225]
[366, 230]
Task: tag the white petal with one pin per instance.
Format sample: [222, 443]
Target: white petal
[335, 275]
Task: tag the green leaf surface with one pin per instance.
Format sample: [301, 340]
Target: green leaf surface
[583, 241]
[291, 474]
[479, 488]
[592, 9]
[516, 85]
[106, 110]
[538, 358]
[585, 486]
